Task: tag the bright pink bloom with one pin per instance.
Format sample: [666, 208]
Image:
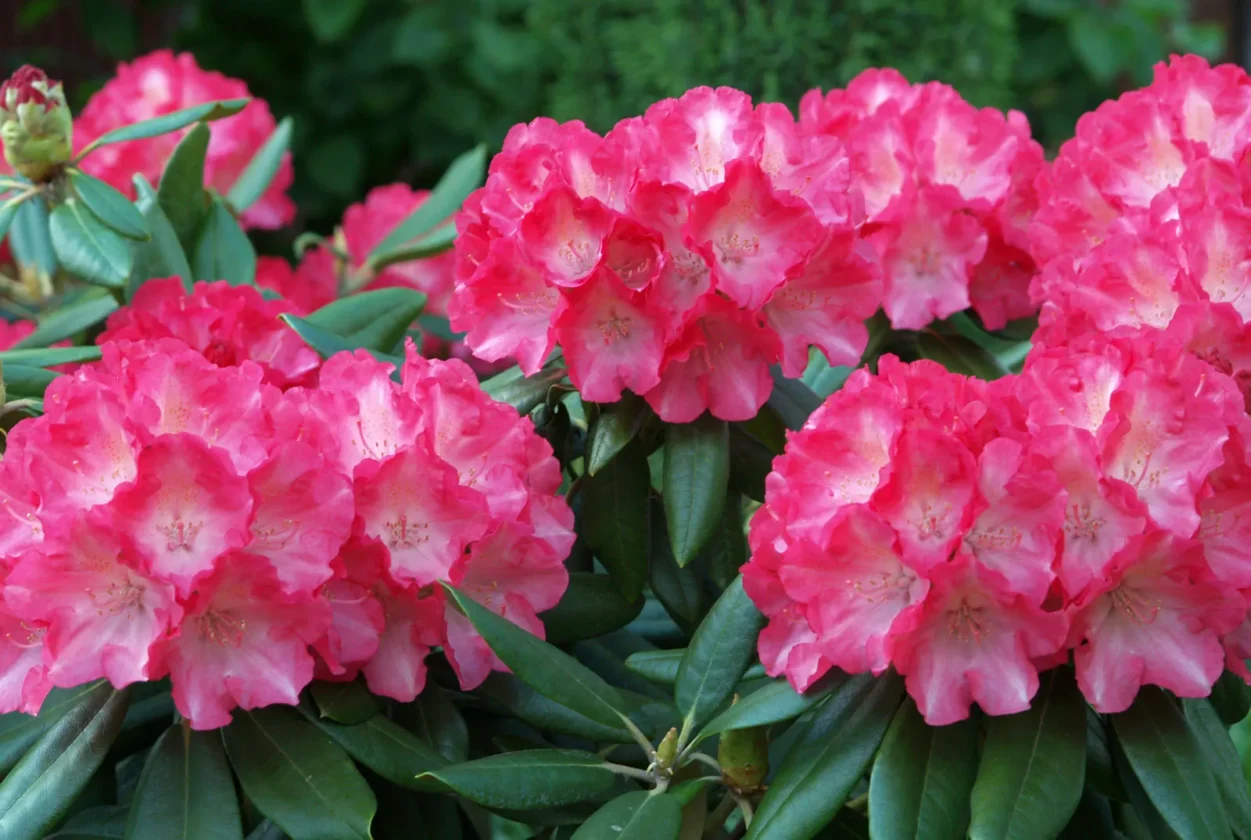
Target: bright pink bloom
[11, 332]
[160, 83]
[306, 289]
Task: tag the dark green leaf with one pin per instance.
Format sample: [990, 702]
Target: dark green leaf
[297, 776]
[551, 672]
[1093, 818]
[24, 380]
[383, 746]
[592, 606]
[41, 788]
[696, 476]
[49, 356]
[108, 205]
[28, 234]
[330, 20]
[460, 179]
[433, 718]
[186, 791]
[87, 248]
[718, 655]
[614, 519]
[776, 702]
[66, 322]
[222, 250]
[251, 185]
[616, 425]
[641, 815]
[525, 781]
[679, 589]
[376, 320]
[726, 551]
[327, 343]
[959, 355]
[18, 731]
[207, 112]
[750, 462]
[659, 666]
[922, 778]
[427, 246]
[180, 193]
[344, 702]
[1221, 756]
[1100, 768]
[1167, 759]
[1231, 698]
[10, 203]
[792, 400]
[529, 705]
[523, 393]
[1033, 764]
[161, 255]
[104, 822]
[846, 825]
[828, 761]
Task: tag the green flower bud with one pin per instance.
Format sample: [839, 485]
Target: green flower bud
[744, 757]
[667, 752]
[35, 124]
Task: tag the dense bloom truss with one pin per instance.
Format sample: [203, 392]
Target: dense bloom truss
[171, 516]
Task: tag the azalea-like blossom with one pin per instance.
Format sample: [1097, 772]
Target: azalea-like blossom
[172, 516]
[948, 192]
[160, 83]
[679, 256]
[11, 332]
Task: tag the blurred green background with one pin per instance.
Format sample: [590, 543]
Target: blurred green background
[387, 90]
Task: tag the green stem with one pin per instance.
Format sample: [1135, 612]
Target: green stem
[632, 772]
[719, 815]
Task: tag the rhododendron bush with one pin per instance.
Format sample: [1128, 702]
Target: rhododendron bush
[734, 473]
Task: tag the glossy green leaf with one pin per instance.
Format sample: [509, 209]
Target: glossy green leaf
[750, 462]
[617, 424]
[550, 671]
[528, 780]
[592, 606]
[327, 343]
[1033, 764]
[776, 702]
[376, 320]
[922, 778]
[696, 476]
[29, 237]
[1007, 352]
[792, 400]
[85, 247]
[40, 789]
[614, 519]
[206, 112]
[186, 791]
[181, 192]
[1169, 761]
[1231, 698]
[19, 731]
[726, 551]
[641, 815]
[344, 702]
[460, 179]
[680, 589]
[436, 242]
[161, 255]
[297, 776]
[10, 203]
[959, 355]
[108, 205]
[828, 760]
[659, 666]
[524, 393]
[383, 746]
[719, 653]
[104, 822]
[1219, 752]
[222, 250]
[436, 720]
[330, 20]
[49, 356]
[256, 177]
[1101, 772]
[528, 705]
[24, 380]
[69, 321]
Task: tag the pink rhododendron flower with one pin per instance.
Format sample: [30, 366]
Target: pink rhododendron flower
[11, 332]
[160, 83]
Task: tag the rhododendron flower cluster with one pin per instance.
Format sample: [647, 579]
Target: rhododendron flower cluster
[948, 192]
[11, 332]
[679, 256]
[171, 516]
[971, 533]
[160, 83]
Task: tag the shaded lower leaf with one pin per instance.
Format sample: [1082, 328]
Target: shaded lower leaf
[726, 551]
[613, 519]
[104, 822]
[86, 247]
[297, 776]
[19, 731]
[524, 393]
[922, 778]
[750, 462]
[376, 320]
[526, 780]
[40, 789]
[1231, 697]
[383, 746]
[642, 815]
[1033, 764]
[592, 606]
[719, 653]
[613, 429]
[1100, 768]
[678, 588]
[792, 399]
[433, 718]
[344, 702]
[69, 321]
[1220, 754]
[528, 705]
[185, 792]
[696, 479]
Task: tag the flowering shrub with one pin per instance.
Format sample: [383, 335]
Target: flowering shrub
[940, 577]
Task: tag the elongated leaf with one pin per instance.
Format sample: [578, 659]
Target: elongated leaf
[46, 357]
[9, 205]
[750, 462]
[185, 792]
[1219, 752]
[108, 205]
[376, 320]
[460, 179]
[104, 822]
[18, 731]
[86, 247]
[181, 192]
[297, 776]
[614, 519]
[206, 112]
[680, 589]
[551, 672]
[327, 343]
[718, 655]
[616, 426]
[959, 355]
[436, 242]
[1231, 698]
[1101, 772]
[831, 756]
[726, 551]
[591, 607]
[383, 746]
[1033, 764]
[41, 788]
[696, 476]
[344, 702]
[1169, 762]
[69, 321]
[641, 815]
[528, 780]
[28, 234]
[776, 702]
[527, 704]
[26, 381]
[922, 778]
[792, 400]
[161, 255]
[222, 250]
[433, 718]
[251, 185]
[523, 393]
[659, 666]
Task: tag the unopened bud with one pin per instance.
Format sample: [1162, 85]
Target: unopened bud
[744, 757]
[35, 123]
[667, 752]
